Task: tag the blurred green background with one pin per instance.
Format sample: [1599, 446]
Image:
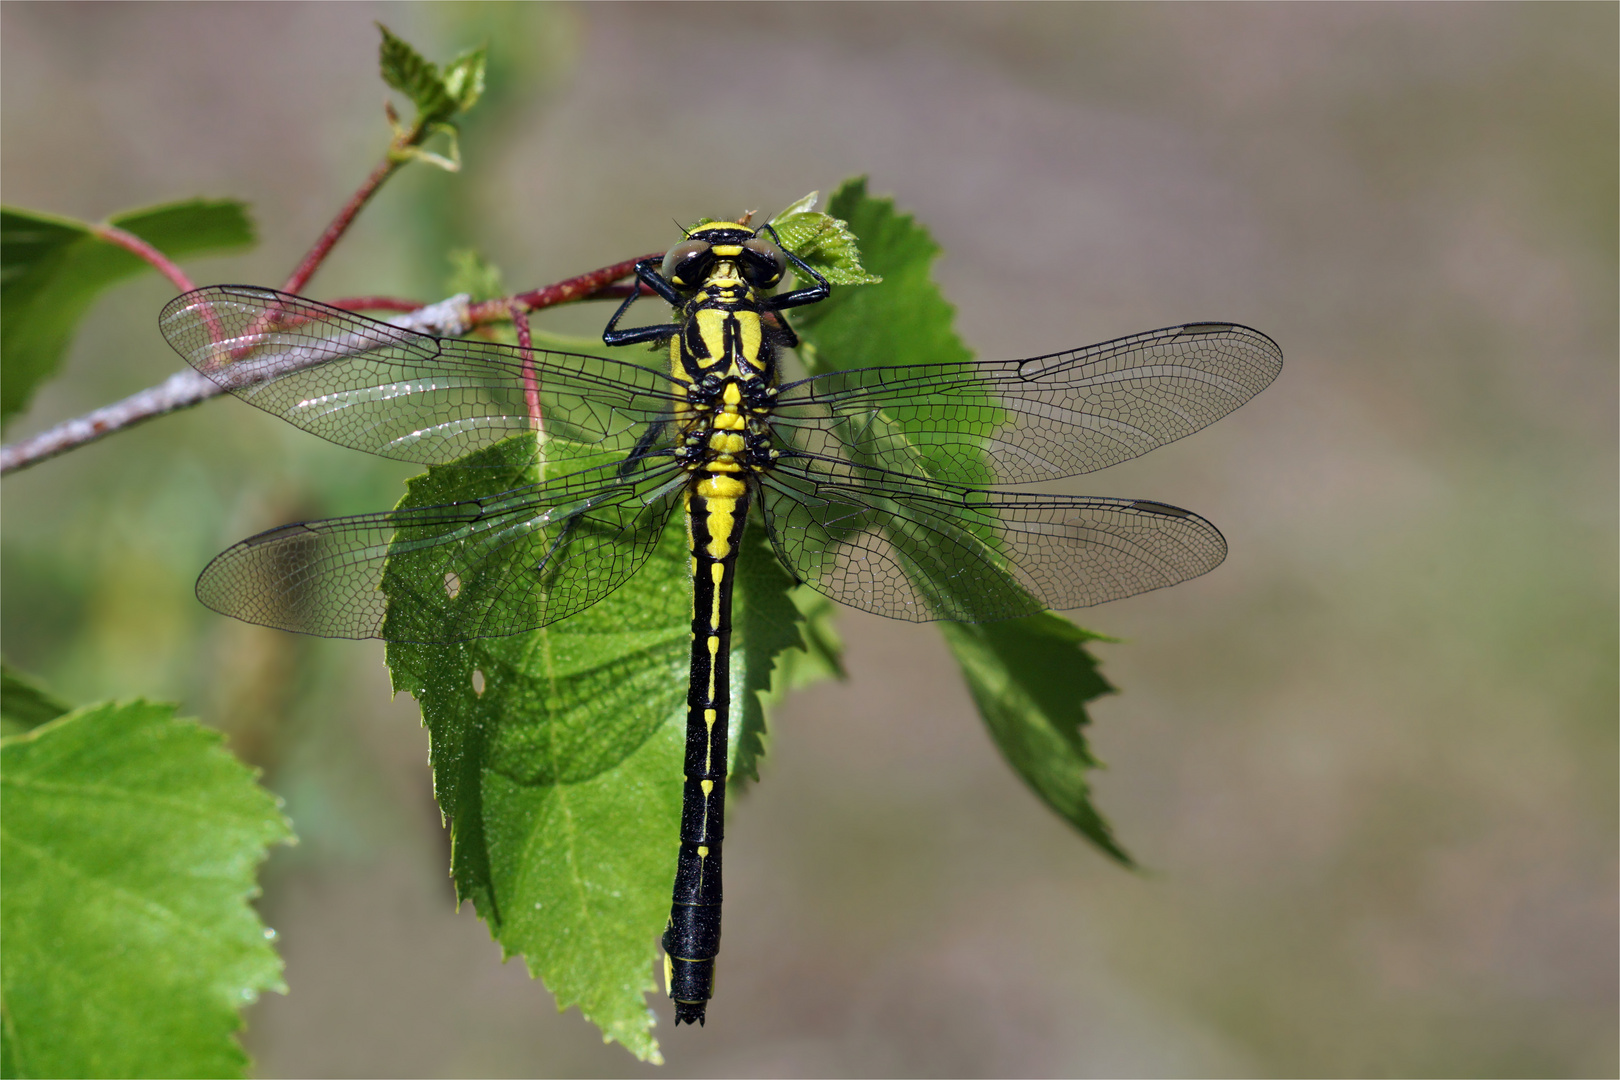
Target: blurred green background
[1370, 762]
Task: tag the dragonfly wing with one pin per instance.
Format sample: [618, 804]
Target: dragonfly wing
[920, 551]
[485, 567]
[404, 395]
[989, 423]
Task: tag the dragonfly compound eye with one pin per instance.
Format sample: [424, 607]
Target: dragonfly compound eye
[762, 262]
[687, 263]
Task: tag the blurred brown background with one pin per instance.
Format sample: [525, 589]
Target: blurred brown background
[1370, 763]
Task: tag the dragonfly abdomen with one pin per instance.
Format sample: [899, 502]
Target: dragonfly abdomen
[717, 507]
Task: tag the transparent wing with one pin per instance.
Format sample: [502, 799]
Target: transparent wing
[1019, 421]
[921, 550]
[482, 568]
[394, 392]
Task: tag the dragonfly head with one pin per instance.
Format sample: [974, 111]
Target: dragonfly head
[724, 249]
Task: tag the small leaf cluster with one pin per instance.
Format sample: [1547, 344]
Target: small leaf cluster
[439, 94]
[823, 241]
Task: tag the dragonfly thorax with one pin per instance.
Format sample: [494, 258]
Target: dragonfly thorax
[723, 331]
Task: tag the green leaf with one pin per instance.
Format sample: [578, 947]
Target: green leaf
[558, 765]
[905, 320]
[52, 268]
[1021, 671]
[803, 205]
[128, 843]
[192, 227]
[769, 624]
[464, 77]
[438, 95]
[413, 75]
[1031, 679]
[24, 704]
[824, 242]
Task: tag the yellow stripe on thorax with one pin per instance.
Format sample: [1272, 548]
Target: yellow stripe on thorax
[751, 335]
[711, 324]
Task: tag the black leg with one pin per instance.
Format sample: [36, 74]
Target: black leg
[798, 297]
[647, 275]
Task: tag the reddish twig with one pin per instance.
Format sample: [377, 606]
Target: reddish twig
[583, 287]
[340, 224]
[398, 154]
[376, 303]
[531, 383]
[619, 292]
[134, 244]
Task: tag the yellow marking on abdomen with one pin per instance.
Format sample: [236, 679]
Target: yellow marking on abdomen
[720, 539]
[721, 489]
[714, 651]
[722, 493]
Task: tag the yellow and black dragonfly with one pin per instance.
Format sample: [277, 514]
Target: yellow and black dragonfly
[875, 487]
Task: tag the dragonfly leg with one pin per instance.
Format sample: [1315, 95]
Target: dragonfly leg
[812, 294]
[645, 275]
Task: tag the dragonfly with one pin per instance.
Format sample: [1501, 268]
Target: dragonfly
[881, 488]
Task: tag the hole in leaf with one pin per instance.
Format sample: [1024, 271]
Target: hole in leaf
[478, 681]
[452, 584]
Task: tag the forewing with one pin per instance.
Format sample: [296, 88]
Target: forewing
[405, 395]
[922, 551]
[1001, 422]
[493, 566]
